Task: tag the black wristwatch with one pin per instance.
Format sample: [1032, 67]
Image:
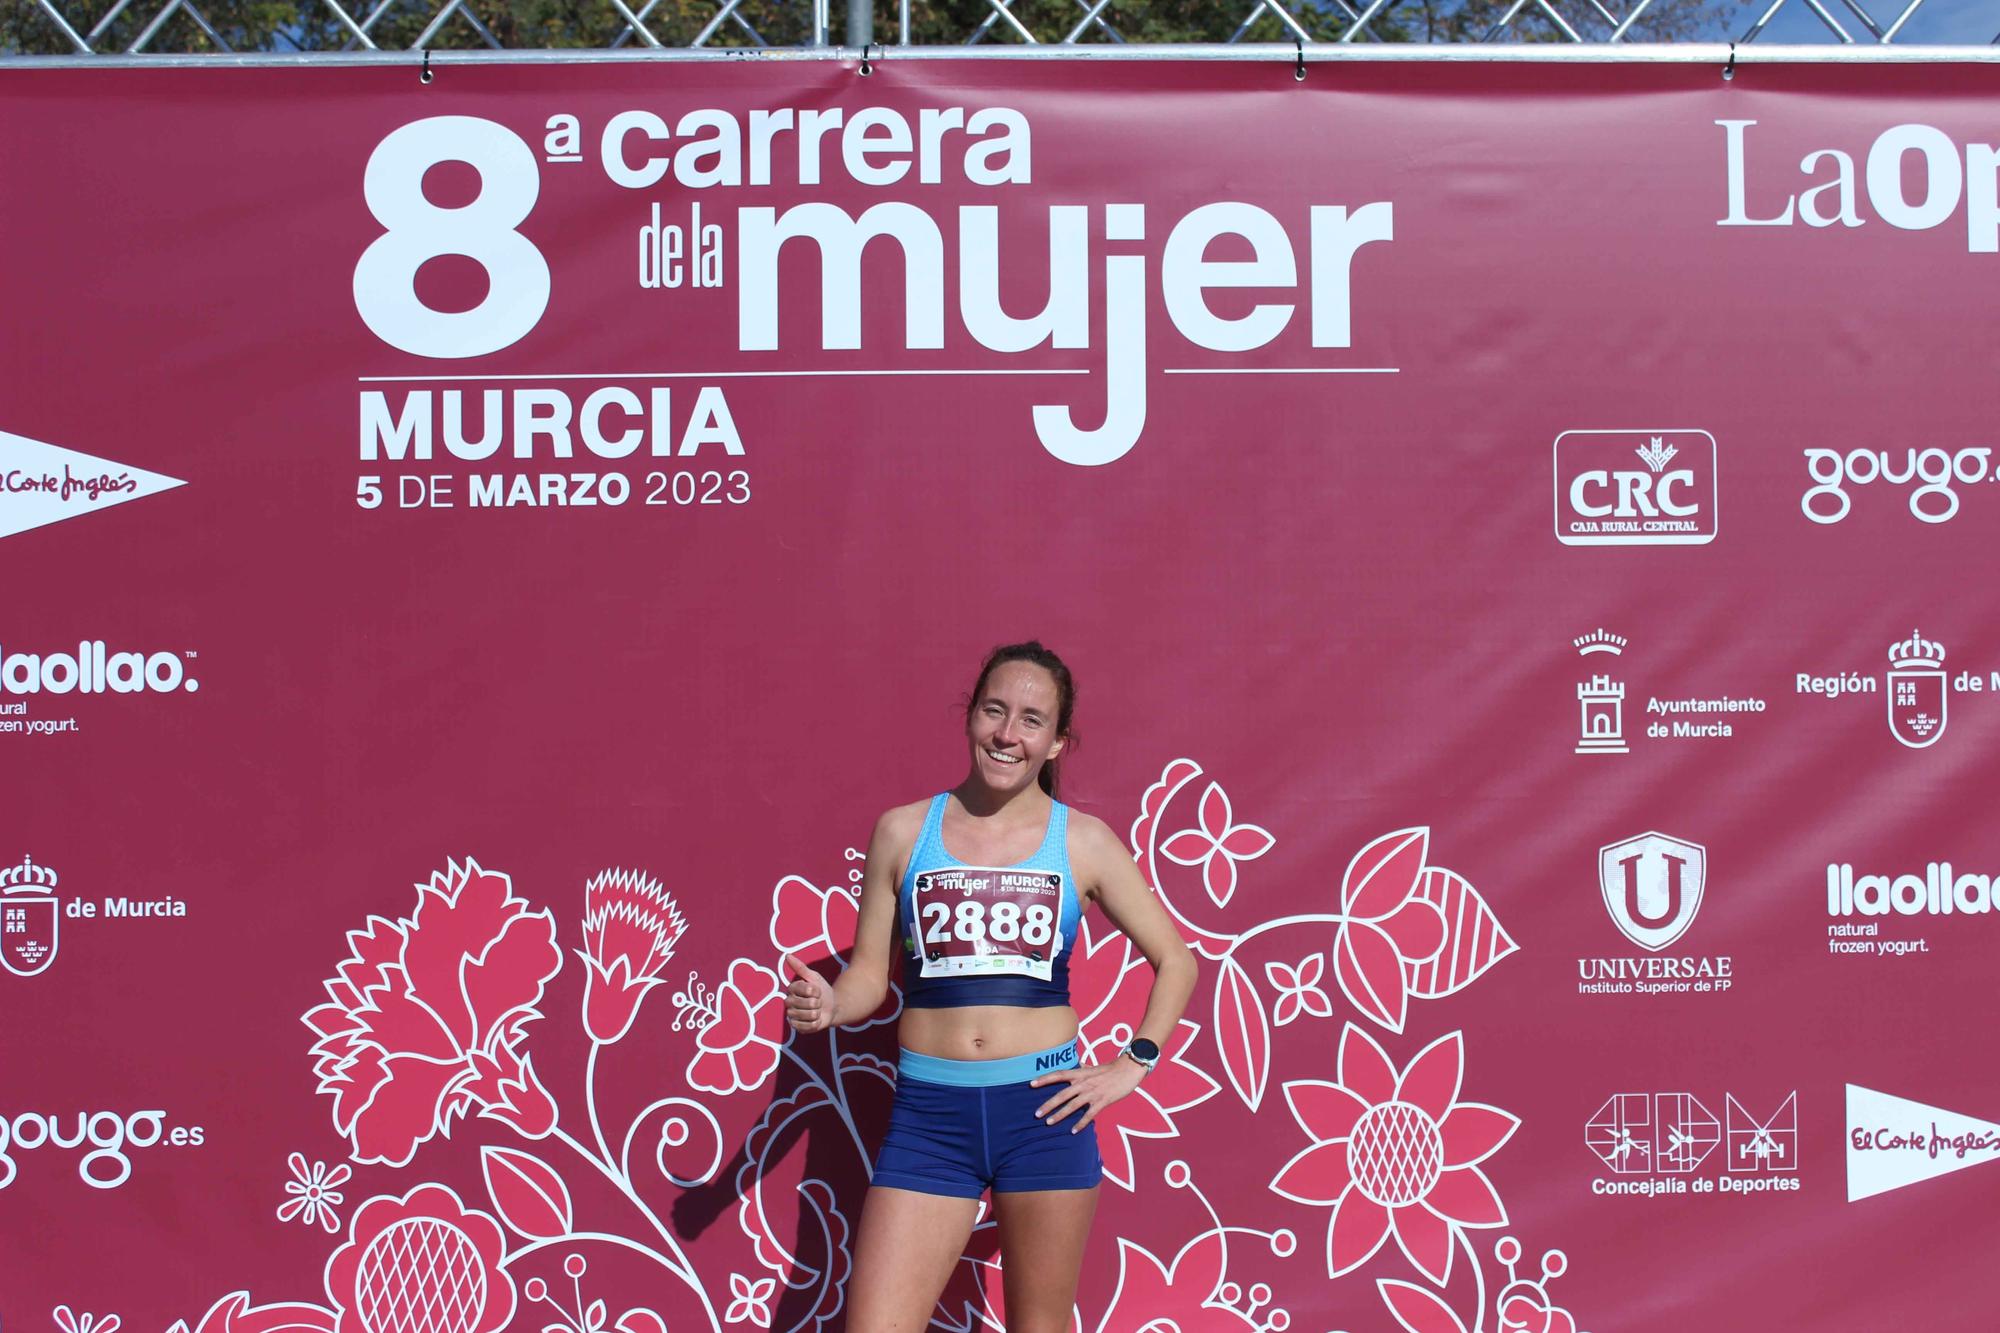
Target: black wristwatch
[1146, 1053]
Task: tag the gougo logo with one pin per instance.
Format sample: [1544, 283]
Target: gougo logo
[106, 1134]
[1934, 501]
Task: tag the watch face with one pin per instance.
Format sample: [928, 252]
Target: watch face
[1145, 1050]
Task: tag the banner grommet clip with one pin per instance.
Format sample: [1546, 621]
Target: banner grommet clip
[1299, 69]
[424, 75]
[1729, 69]
[867, 68]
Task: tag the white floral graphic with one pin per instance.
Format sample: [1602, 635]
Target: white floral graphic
[316, 1196]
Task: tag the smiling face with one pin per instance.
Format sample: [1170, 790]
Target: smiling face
[1012, 726]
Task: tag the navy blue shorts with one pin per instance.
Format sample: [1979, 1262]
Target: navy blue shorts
[961, 1127]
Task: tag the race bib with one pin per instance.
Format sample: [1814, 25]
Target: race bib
[977, 921]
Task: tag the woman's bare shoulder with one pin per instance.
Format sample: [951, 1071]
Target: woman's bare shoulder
[1093, 842]
[900, 824]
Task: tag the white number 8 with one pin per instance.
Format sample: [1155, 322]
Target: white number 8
[416, 230]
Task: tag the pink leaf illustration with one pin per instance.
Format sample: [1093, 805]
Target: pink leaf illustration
[1242, 1032]
[1384, 873]
[1370, 970]
[234, 1314]
[1247, 842]
[1418, 1310]
[1189, 847]
[1176, 775]
[1219, 878]
[527, 1193]
[1473, 938]
[640, 1320]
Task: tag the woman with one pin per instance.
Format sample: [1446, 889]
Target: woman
[981, 890]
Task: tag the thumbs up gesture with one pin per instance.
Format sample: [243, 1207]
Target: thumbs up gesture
[808, 999]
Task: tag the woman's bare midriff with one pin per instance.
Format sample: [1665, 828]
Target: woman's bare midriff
[986, 1031]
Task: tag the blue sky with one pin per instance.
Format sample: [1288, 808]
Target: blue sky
[1936, 22]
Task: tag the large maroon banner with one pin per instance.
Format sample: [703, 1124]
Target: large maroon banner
[479, 556]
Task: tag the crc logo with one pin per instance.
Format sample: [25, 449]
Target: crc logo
[1635, 488]
[1652, 887]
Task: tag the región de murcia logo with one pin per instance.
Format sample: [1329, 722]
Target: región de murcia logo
[31, 914]
[29, 917]
[1918, 687]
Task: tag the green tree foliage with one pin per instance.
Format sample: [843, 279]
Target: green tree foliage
[208, 26]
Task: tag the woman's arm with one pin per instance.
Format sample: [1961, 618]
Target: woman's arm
[811, 1003]
[1120, 890]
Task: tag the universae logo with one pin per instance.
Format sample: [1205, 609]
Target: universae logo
[1635, 488]
[1652, 886]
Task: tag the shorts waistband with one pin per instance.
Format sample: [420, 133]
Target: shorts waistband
[986, 1073]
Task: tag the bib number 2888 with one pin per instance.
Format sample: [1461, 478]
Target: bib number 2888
[1004, 922]
[981, 921]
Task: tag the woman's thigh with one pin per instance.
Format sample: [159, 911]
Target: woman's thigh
[1042, 1234]
[904, 1256]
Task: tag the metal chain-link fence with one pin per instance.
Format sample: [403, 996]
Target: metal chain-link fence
[30, 28]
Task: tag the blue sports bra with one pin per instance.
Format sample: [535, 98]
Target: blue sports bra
[988, 934]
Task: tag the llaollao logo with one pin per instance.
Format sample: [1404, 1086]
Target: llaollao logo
[95, 668]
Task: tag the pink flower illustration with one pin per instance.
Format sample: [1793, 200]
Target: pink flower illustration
[315, 1191]
[1177, 1085]
[1174, 1086]
[235, 1314]
[742, 1030]
[812, 923]
[1388, 927]
[1524, 1304]
[69, 1321]
[630, 927]
[1218, 845]
[1188, 1292]
[427, 1015]
[1298, 989]
[421, 1262]
[1395, 1154]
[750, 1301]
